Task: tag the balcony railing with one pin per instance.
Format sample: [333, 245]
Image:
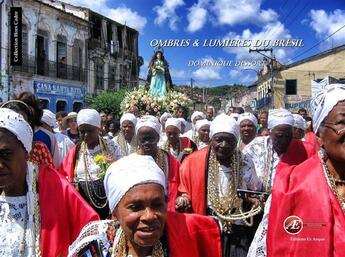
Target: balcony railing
[52, 69]
[263, 102]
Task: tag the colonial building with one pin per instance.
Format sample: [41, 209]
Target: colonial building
[292, 83]
[112, 50]
[54, 58]
[68, 52]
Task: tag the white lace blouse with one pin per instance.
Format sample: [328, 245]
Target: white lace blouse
[12, 218]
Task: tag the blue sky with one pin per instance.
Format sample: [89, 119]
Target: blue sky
[309, 20]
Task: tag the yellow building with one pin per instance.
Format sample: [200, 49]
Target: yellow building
[292, 83]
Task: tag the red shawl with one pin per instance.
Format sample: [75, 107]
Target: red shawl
[193, 180]
[63, 213]
[193, 236]
[67, 170]
[303, 191]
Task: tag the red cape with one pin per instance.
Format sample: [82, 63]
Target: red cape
[67, 170]
[193, 179]
[193, 236]
[63, 213]
[311, 138]
[303, 191]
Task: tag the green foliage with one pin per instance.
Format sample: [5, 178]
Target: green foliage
[108, 102]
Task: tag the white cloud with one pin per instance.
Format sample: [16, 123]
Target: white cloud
[178, 74]
[242, 12]
[324, 24]
[167, 12]
[242, 76]
[207, 73]
[197, 18]
[121, 14]
[270, 31]
[126, 15]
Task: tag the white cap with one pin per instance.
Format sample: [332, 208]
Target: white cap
[299, 122]
[90, 117]
[226, 124]
[201, 123]
[197, 113]
[130, 117]
[148, 121]
[279, 117]
[324, 101]
[15, 123]
[173, 122]
[128, 172]
[248, 116]
[48, 118]
[165, 116]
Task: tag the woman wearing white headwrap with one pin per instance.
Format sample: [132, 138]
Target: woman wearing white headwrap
[192, 134]
[209, 181]
[202, 127]
[248, 123]
[30, 223]
[148, 131]
[126, 138]
[85, 163]
[300, 126]
[312, 191]
[177, 146]
[267, 151]
[136, 189]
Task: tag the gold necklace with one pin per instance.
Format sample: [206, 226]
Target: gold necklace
[331, 182]
[229, 206]
[121, 248]
[267, 169]
[89, 191]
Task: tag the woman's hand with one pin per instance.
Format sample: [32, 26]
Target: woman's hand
[182, 203]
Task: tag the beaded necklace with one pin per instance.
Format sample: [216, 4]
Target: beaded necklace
[90, 190]
[331, 182]
[123, 144]
[229, 206]
[32, 217]
[267, 170]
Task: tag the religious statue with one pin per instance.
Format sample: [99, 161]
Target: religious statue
[158, 78]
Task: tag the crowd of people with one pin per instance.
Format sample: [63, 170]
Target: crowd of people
[203, 184]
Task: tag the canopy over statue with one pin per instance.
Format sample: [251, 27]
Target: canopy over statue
[158, 78]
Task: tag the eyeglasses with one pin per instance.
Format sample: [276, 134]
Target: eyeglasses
[337, 127]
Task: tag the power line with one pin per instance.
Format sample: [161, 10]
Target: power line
[318, 43]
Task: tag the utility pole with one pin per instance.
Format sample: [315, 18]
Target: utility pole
[272, 59]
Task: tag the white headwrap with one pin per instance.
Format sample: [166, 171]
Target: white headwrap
[234, 115]
[183, 121]
[128, 172]
[130, 117]
[15, 123]
[299, 122]
[148, 121]
[324, 102]
[49, 118]
[248, 116]
[224, 123]
[165, 116]
[197, 113]
[90, 117]
[173, 122]
[201, 123]
[279, 117]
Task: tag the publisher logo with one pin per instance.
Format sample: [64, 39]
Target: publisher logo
[293, 225]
